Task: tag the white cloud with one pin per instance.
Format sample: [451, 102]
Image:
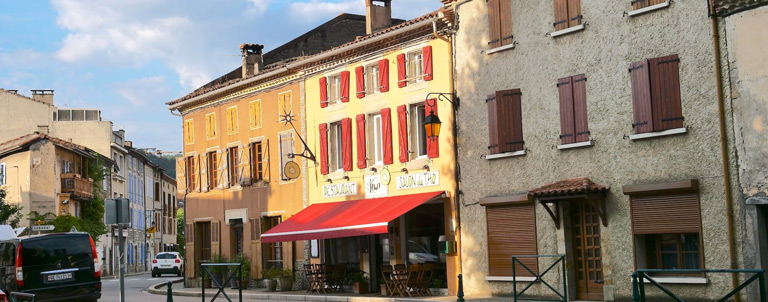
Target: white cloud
[317, 9]
[143, 91]
[257, 7]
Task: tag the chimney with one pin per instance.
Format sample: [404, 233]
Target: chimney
[128, 144]
[253, 62]
[45, 96]
[378, 15]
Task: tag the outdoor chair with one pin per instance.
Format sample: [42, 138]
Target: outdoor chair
[412, 281]
[387, 275]
[425, 279]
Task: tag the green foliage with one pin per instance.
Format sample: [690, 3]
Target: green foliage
[246, 270]
[93, 212]
[180, 237]
[358, 277]
[167, 162]
[9, 213]
[64, 223]
[272, 272]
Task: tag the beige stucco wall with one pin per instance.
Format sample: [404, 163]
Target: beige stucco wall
[96, 135]
[604, 52]
[17, 168]
[21, 115]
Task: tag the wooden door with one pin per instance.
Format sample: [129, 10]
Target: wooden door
[587, 255]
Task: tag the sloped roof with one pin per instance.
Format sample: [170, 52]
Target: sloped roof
[566, 187]
[728, 7]
[22, 143]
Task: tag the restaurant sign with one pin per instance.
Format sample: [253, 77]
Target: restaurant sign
[343, 189]
[374, 187]
[419, 180]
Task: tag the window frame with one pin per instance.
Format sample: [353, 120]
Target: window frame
[376, 141]
[281, 101]
[189, 131]
[335, 147]
[371, 76]
[232, 120]
[334, 89]
[257, 160]
[418, 133]
[254, 122]
[191, 173]
[212, 166]
[210, 126]
[233, 164]
[283, 154]
[414, 61]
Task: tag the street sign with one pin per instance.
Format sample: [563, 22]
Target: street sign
[151, 230]
[110, 208]
[46, 227]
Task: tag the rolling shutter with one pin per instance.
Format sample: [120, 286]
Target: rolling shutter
[641, 97]
[384, 75]
[323, 92]
[402, 132]
[360, 81]
[561, 14]
[346, 144]
[361, 160]
[345, 86]
[494, 28]
[427, 57]
[511, 232]
[567, 131]
[666, 214]
[665, 93]
[493, 124]
[324, 149]
[386, 135]
[510, 120]
[505, 21]
[581, 123]
[401, 74]
[433, 144]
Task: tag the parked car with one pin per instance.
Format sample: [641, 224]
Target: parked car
[53, 267]
[167, 263]
[419, 254]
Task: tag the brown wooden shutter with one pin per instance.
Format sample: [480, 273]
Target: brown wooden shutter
[255, 229]
[345, 86]
[383, 75]
[360, 81]
[215, 231]
[324, 149]
[323, 92]
[505, 20]
[493, 124]
[494, 27]
[580, 121]
[509, 120]
[638, 4]
[567, 131]
[641, 97]
[511, 232]
[402, 132]
[346, 144]
[386, 136]
[666, 214]
[361, 152]
[189, 233]
[427, 55]
[561, 14]
[665, 93]
[574, 13]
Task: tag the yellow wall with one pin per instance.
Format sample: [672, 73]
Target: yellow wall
[373, 103]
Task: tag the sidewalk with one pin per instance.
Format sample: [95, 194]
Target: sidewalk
[126, 275]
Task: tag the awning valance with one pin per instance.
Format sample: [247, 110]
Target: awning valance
[345, 218]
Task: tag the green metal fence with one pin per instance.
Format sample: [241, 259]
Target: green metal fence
[640, 276]
[559, 259]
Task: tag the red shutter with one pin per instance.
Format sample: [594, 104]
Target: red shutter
[493, 124]
[323, 92]
[344, 86]
[574, 12]
[323, 149]
[360, 81]
[401, 82]
[402, 132]
[433, 144]
[580, 121]
[665, 93]
[361, 161]
[510, 120]
[384, 75]
[427, 55]
[386, 135]
[641, 97]
[346, 144]
[561, 14]
[567, 133]
[494, 28]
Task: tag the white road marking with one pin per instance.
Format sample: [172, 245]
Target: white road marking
[152, 279]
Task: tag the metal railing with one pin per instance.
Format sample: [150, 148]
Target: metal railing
[24, 297]
[560, 259]
[219, 284]
[640, 276]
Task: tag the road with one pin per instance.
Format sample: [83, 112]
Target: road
[136, 290]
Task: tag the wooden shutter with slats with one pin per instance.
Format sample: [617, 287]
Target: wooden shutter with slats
[323, 92]
[386, 135]
[666, 214]
[493, 124]
[323, 149]
[641, 97]
[181, 175]
[665, 92]
[345, 86]
[254, 229]
[401, 71]
[433, 144]
[204, 172]
[561, 14]
[574, 13]
[383, 75]
[580, 120]
[494, 28]
[510, 120]
[402, 132]
[427, 62]
[360, 81]
[346, 144]
[361, 160]
[505, 21]
[511, 232]
[567, 131]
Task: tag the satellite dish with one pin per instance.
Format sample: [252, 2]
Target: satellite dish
[292, 170]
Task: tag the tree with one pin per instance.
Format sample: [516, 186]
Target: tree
[180, 236]
[9, 213]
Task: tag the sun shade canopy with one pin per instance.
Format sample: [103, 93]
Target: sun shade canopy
[345, 218]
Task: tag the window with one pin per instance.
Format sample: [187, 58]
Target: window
[372, 79]
[499, 23]
[233, 165]
[213, 166]
[191, 174]
[415, 71]
[334, 89]
[511, 231]
[285, 105]
[656, 101]
[254, 108]
[257, 161]
[232, 120]
[419, 133]
[335, 145]
[286, 152]
[189, 132]
[505, 124]
[272, 255]
[567, 14]
[2, 174]
[573, 109]
[673, 251]
[210, 125]
[639, 4]
[376, 144]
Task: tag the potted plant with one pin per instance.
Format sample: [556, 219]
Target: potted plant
[219, 272]
[383, 287]
[286, 280]
[269, 277]
[359, 281]
[243, 278]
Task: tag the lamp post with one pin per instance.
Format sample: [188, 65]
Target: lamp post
[432, 121]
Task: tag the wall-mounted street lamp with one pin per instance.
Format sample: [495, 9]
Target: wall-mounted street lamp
[432, 121]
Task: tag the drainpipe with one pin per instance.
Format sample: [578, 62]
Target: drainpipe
[724, 148]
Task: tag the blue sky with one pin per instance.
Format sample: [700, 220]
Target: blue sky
[128, 58]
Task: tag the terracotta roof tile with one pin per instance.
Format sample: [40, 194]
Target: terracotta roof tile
[24, 141]
[568, 187]
[727, 7]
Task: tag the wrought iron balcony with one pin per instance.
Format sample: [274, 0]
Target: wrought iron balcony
[74, 184]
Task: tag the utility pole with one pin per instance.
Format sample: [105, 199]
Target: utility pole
[121, 248]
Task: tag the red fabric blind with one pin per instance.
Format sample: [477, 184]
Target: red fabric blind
[323, 92]
[384, 75]
[494, 27]
[580, 121]
[493, 125]
[344, 86]
[567, 131]
[323, 149]
[402, 132]
[433, 144]
[360, 81]
[665, 93]
[346, 144]
[361, 161]
[386, 135]
[427, 55]
[401, 74]
[641, 97]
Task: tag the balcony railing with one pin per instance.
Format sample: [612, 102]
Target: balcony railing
[74, 184]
